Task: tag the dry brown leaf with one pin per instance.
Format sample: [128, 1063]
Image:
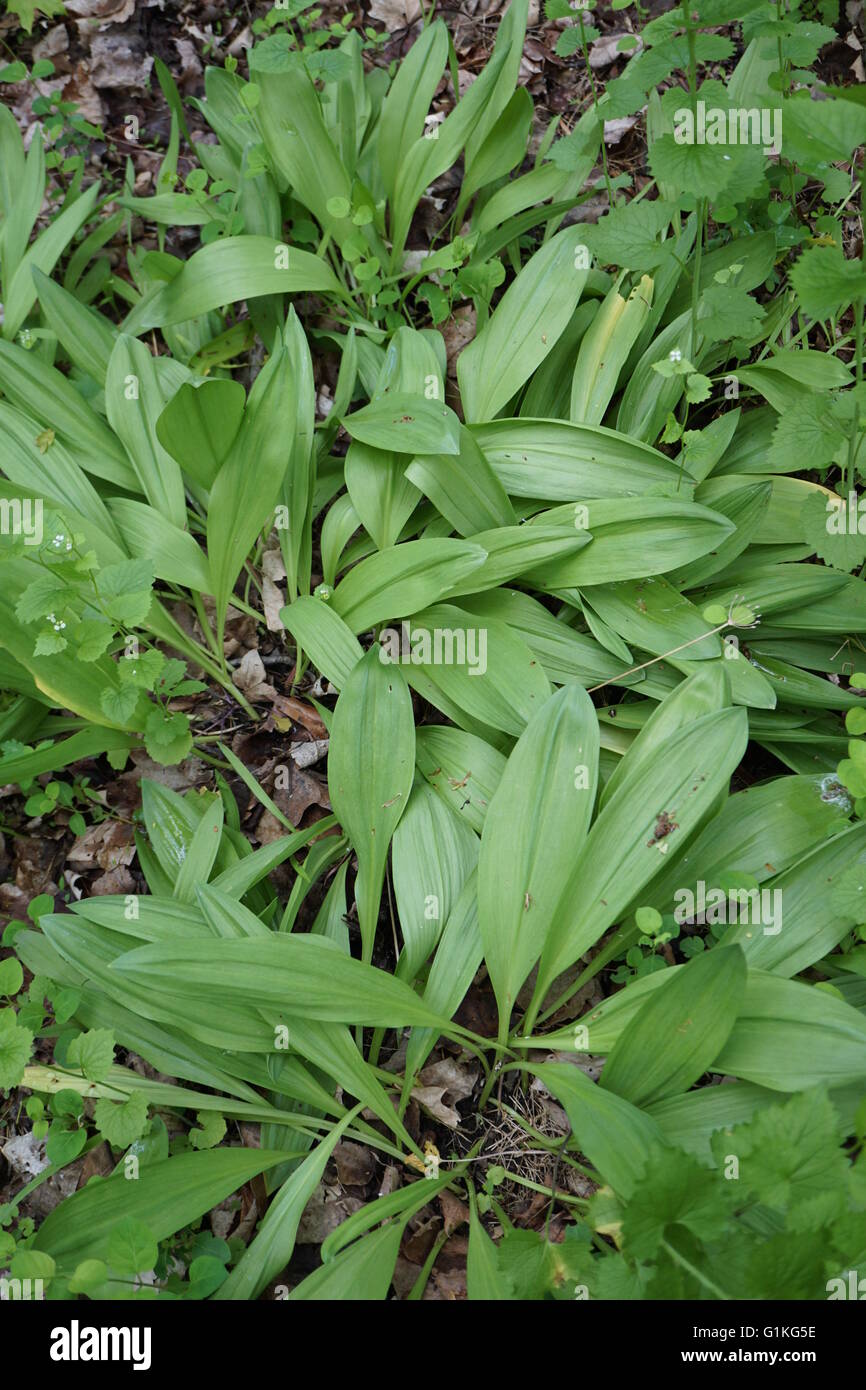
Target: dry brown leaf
[251, 678]
[395, 14]
[273, 597]
[118, 61]
[355, 1164]
[110, 845]
[445, 1079]
[301, 713]
[605, 51]
[107, 11]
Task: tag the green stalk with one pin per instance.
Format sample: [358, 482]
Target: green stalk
[855, 419]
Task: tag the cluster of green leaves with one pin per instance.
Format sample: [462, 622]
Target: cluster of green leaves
[524, 826]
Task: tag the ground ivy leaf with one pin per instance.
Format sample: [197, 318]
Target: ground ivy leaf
[836, 546]
[675, 1190]
[727, 312]
[122, 1122]
[809, 430]
[211, 1130]
[93, 1053]
[15, 1046]
[789, 1153]
[629, 236]
[132, 1248]
[167, 737]
[825, 281]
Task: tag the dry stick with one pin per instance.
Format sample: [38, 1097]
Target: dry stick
[614, 680]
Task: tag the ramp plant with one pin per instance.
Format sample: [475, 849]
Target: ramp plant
[588, 647]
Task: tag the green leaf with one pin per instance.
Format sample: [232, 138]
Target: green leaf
[93, 1053]
[167, 1196]
[535, 824]
[728, 312]
[403, 578]
[132, 1248]
[15, 1047]
[484, 1277]
[199, 425]
[434, 853]
[306, 976]
[210, 1132]
[824, 280]
[124, 1122]
[646, 819]
[11, 976]
[679, 1031]
[26, 10]
[64, 1145]
[230, 269]
[168, 738]
[271, 1249]
[524, 327]
[370, 767]
[629, 236]
[827, 528]
[615, 1136]
[406, 424]
[674, 1191]
[789, 1155]
[362, 1272]
[247, 486]
[134, 400]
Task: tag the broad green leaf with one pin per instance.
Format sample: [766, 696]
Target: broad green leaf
[433, 854]
[321, 632]
[604, 349]
[562, 462]
[43, 254]
[789, 1036]
[167, 1196]
[631, 539]
[201, 854]
[534, 827]
[403, 578]
[808, 921]
[176, 555]
[306, 976]
[462, 768]
[463, 487]
[233, 268]
[380, 492]
[614, 1134]
[362, 1272]
[45, 394]
[199, 425]
[248, 483]
[651, 815]
[370, 768]
[525, 325]
[86, 336]
[271, 1248]
[484, 1278]
[485, 671]
[134, 400]
[406, 424]
[679, 1031]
